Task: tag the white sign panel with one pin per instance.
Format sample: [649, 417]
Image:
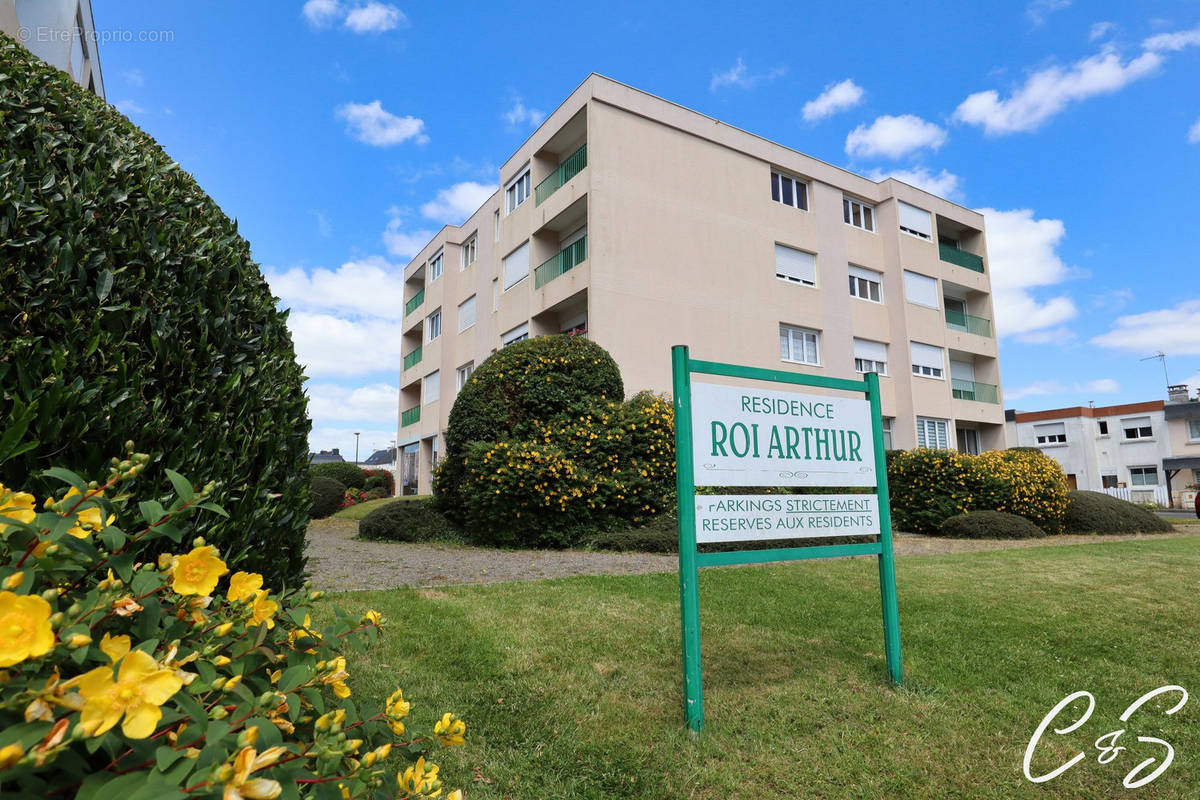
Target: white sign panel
[756, 517]
[745, 436]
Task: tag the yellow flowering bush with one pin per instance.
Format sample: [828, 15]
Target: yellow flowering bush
[172, 678]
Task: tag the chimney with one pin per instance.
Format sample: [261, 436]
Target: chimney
[1177, 393]
[335, 452]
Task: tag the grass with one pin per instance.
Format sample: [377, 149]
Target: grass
[571, 688]
[362, 509]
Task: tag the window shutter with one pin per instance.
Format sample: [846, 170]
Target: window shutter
[875, 351]
[1051, 429]
[915, 219]
[866, 274]
[466, 313]
[516, 265]
[924, 355]
[433, 386]
[962, 370]
[921, 289]
[795, 265]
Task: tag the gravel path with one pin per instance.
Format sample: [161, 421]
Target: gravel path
[339, 562]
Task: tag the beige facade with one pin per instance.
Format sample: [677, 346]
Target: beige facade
[61, 33]
[1182, 467]
[677, 232]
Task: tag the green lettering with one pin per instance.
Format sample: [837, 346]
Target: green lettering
[733, 445]
[775, 448]
[719, 444]
[855, 444]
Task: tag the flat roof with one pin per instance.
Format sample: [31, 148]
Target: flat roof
[1088, 411]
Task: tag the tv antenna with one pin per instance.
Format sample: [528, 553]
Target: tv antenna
[1161, 356]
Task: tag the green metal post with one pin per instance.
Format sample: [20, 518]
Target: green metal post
[685, 489]
[887, 565]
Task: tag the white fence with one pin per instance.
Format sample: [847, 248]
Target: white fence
[1142, 494]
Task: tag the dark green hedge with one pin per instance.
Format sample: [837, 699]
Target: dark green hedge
[1096, 512]
[343, 472]
[413, 520]
[131, 309]
[990, 525]
[327, 495]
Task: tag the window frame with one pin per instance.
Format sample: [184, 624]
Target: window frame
[519, 338]
[888, 426]
[520, 188]
[923, 370]
[792, 331]
[1193, 437]
[469, 252]
[1141, 433]
[866, 213]
[528, 247]
[1048, 439]
[789, 279]
[856, 282]
[437, 264]
[1143, 472]
[925, 237]
[799, 187]
[474, 313]
[1102, 427]
[944, 432]
[432, 379]
[433, 320]
[460, 379]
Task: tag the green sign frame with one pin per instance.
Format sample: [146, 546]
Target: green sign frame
[682, 369]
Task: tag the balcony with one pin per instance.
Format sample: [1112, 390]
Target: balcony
[564, 261]
[974, 390]
[962, 258]
[410, 416]
[413, 358]
[958, 321]
[566, 170]
[415, 302]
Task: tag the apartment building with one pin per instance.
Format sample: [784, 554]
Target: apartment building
[642, 224]
[61, 33]
[1182, 467]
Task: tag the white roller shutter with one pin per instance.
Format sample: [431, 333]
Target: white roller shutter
[921, 289]
[924, 355]
[795, 265]
[915, 220]
[866, 274]
[962, 370]
[516, 266]
[874, 351]
[466, 313]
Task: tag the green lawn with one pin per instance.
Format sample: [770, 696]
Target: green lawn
[571, 687]
[362, 509]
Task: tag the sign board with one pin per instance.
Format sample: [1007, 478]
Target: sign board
[745, 435]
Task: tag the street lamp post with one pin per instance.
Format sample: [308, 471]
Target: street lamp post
[356, 448]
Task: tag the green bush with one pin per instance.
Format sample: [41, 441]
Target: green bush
[659, 535]
[132, 309]
[407, 521]
[375, 483]
[345, 473]
[1096, 512]
[326, 496]
[990, 525]
[385, 480]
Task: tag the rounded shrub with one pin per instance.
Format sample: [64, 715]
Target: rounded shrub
[1024, 482]
[990, 525]
[133, 310]
[927, 487]
[345, 473]
[414, 520]
[384, 479]
[327, 495]
[1097, 512]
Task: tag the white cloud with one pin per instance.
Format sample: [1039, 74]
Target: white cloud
[1060, 335]
[321, 13]
[375, 18]
[836, 97]
[1194, 132]
[325, 437]
[134, 77]
[371, 124]
[1175, 331]
[1099, 30]
[1047, 92]
[400, 243]
[1193, 384]
[455, 204]
[1099, 386]
[332, 346]
[331, 401]
[1051, 387]
[943, 184]
[1021, 250]
[372, 287]
[893, 137]
[1171, 42]
[519, 114]
[738, 75]
[129, 107]
[1038, 10]
[324, 226]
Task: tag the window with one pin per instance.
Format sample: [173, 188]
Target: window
[468, 253]
[516, 192]
[927, 360]
[1143, 476]
[968, 441]
[496, 224]
[435, 267]
[517, 334]
[516, 266]
[1050, 433]
[866, 283]
[888, 424]
[1193, 429]
[574, 326]
[870, 356]
[1108, 481]
[799, 345]
[433, 326]
[466, 313]
[915, 221]
[432, 386]
[933, 433]
[495, 295]
[795, 265]
[1137, 428]
[858, 214]
[789, 191]
[920, 289]
[464, 373]
[1103, 426]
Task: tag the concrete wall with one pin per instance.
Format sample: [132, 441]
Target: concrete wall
[47, 29]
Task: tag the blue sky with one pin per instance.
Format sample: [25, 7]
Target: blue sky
[342, 133]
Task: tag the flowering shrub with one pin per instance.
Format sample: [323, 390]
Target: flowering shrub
[385, 478]
[353, 497]
[173, 678]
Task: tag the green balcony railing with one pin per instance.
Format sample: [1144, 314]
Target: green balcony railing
[414, 302]
[564, 261]
[962, 258]
[566, 170]
[409, 417]
[974, 390]
[413, 358]
[958, 321]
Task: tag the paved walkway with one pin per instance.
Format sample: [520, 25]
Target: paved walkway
[340, 562]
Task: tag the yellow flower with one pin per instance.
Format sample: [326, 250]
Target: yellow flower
[373, 617]
[24, 628]
[455, 795]
[115, 647]
[16, 505]
[450, 729]
[243, 586]
[263, 610]
[420, 779]
[240, 786]
[10, 755]
[337, 677]
[140, 688]
[305, 631]
[198, 571]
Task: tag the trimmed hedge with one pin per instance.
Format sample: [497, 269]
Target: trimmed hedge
[327, 495]
[407, 521]
[345, 473]
[1097, 512]
[990, 525]
[132, 310]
